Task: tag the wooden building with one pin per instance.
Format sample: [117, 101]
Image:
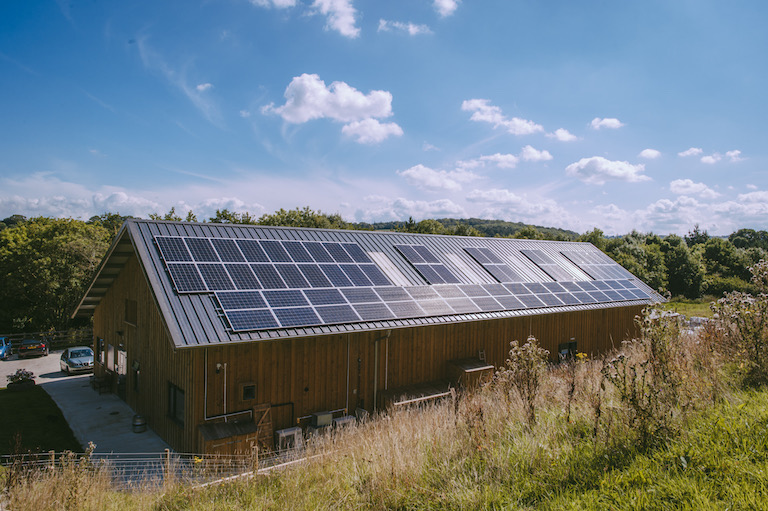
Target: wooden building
[221, 336]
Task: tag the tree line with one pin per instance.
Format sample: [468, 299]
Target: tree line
[47, 263]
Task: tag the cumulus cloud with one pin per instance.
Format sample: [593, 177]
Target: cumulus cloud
[340, 16]
[649, 154]
[202, 87]
[401, 208]
[597, 170]
[693, 151]
[425, 177]
[711, 159]
[563, 135]
[446, 7]
[754, 197]
[371, 131]
[688, 187]
[609, 123]
[493, 196]
[530, 154]
[483, 111]
[279, 4]
[734, 155]
[308, 97]
[409, 28]
[503, 161]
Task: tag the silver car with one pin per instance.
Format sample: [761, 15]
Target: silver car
[77, 360]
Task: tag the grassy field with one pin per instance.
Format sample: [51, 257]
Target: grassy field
[32, 418]
[690, 308]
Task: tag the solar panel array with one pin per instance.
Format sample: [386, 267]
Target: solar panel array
[268, 284]
[494, 265]
[547, 264]
[595, 266]
[429, 266]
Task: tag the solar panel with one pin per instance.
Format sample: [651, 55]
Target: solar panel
[426, 254]
[297, 316]
[449, 291]
[487, 303]
[338, 253]
[315, 275]
[570, 286]
[553, 287]
[517, 288]
[358, 254]
[473, 290]
[435, 307]
[215, 277]
[429, 274]
[599, 296]
[531, 301]
[496, 289]
[567, 298]
[324, 296]
[268, 276]
[445, 274]
[356, 275]
[479, 255]
[297, 252]
[252, 251]
[202, 250]
[337, 277]
[251, 320]
[373, 311]
[549, 299]
[601, 285]
[228, 251]
[422, 293]
[360, 295]
[509, 302]
[626, 294]
[613, 295]
[275, 251]
[586, 285]
[185, 278]
[410, 254]
[392, 294]
[407, 309]
[173, 249]
[292, 276]
[242, 276]
[375, 275]
[319, 253]
[547, 264]
[337, 314]
[535, 287]
[462, 305]
[235, 300]
[583, 297]
[285, 298]
[427, 264]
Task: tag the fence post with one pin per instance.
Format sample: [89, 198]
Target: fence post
[53, 459]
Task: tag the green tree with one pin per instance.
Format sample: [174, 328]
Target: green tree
[528, 232]
[112, 222]
[225, 216]
[303, 218]
[45, 265]
[696, 236]
[685, 273]
[596, 237]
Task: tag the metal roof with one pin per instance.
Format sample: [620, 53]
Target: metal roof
[197, 319]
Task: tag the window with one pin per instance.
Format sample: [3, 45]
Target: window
[248, 391]
[100, 350]
[131, 312]
[567, 349]
[176, 404]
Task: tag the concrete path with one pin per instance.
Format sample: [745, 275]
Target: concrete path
[104, 419]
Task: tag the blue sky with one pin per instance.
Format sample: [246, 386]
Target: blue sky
[618, 115]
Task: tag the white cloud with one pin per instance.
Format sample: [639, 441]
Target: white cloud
[754, 197]
[563, 135]
[371, 131]
[493, 196]
[245, 114]
[402, 208]
[693, 151]
[752, 187]
[608, 123]
[409, 28]
[649, 154]
[483, 111]
[426, 146]
[734, 155]
[425, 177]
[446, 7]
[280, 4]
[712, 158]
[688, 187]
[341, 16]
[202, 87]
[503, 161]
[530, 154]
[597, 170]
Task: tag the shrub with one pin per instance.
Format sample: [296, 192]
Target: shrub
[21, 376]
[524, 373]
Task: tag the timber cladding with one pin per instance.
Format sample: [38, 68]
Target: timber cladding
[302, 375]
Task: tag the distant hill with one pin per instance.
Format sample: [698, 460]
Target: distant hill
[488, 228]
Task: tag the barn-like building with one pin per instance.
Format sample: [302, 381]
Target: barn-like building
[222, 335]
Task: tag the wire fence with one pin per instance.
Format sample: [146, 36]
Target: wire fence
[142, 471]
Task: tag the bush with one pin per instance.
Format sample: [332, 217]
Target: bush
[524, 373]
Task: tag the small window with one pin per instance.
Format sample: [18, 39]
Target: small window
[131, 312]
[249, 391]
[176, 404]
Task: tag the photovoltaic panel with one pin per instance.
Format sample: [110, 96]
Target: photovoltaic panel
[435, 307]
[338, 253]
[356, 275]
[547, 264]
[268, 276]
[549, 299]
[586, 285]
[583, 297]
[422, 293]
[337, 314]
[445, 274]
[409, 309]
[473, 290]
[292, 276]
[375, 275]
[319, 253]
[479, 254]
[410, 254]
[517, 288]
[570, 286]
[392, 294]
[324, 296]
[173, 249]
[626, 294]
[613, 295]
[601, 285]
[185, 278]
[531, 301]
[358, 254]
[202, 250]
[427, 264]
[449, 291]
[235, 300]
[252, 251]
[613, 284]
[337, 277]
[297, 251]
[228, 251]
[275, 251]
[495, 289]
[535, 287]
[285, 298]
[429, 274]
[509, 302]
[360, 295]
[315, 275]
[373, 311]
[243, 320]
[426, 254]
[554, 287]
[215, 277]
[567, 298]
[297, 316]
[599, 296]
[462, 305]
[242, 276]
[493, 264]
[487, 303]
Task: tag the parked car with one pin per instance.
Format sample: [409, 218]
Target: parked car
[31, 347]
[77, 360]
[5, 348]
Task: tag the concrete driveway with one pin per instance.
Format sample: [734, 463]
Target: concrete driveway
[104, 419]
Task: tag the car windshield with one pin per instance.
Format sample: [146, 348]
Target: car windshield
[80, 353]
